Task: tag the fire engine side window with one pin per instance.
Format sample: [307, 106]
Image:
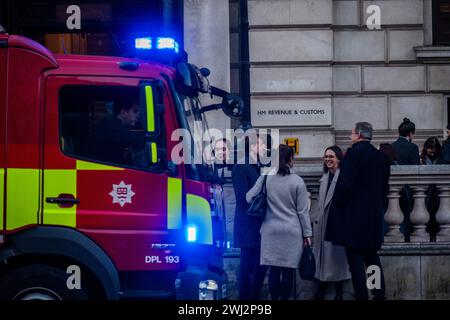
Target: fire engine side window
[106, 124]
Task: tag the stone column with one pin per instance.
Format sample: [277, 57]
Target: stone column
[419, 215]
[207, 43]
[394, 216]
[443, 214]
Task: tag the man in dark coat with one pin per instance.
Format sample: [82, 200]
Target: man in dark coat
[114, 140]
[356, 213]
[246, 228]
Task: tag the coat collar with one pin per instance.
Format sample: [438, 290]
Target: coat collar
[403, 140]
[332, 187]
[361, 143]
[324, 201]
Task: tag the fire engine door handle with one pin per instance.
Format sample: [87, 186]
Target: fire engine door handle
[63, 200]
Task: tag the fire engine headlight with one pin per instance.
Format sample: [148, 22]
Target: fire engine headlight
[208, 290]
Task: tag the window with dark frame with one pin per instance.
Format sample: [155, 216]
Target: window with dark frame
[441, 22]
[92, 129]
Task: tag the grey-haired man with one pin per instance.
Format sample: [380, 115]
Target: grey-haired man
[356, 213]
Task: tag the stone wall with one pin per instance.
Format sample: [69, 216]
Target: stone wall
[305, 51]
[413, 271]
[321, 53]
[417, 271]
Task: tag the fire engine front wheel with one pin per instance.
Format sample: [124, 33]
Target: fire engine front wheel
[38, 282]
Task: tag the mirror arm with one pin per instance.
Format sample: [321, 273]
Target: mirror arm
[211, 107]
[219, 92]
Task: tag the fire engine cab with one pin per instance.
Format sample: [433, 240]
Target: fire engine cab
[91, 204]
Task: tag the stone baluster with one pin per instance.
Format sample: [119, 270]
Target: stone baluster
[394, 216]
[443, 214]
[419, 215]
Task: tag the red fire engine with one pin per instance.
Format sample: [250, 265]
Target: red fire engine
[80, 197]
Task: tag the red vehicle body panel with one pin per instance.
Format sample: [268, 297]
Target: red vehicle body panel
[127, 234]
[3, 97]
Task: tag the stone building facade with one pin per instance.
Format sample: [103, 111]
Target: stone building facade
[316, 68]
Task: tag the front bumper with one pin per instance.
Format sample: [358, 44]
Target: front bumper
[192, 285]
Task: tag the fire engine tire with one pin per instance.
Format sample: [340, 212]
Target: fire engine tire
[38, 282]
[71, 245]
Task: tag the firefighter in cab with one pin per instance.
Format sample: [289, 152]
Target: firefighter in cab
[120, 137]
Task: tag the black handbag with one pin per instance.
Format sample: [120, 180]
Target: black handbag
[307, 266]
[259, 203]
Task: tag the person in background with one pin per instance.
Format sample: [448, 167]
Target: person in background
[355, 219]
[247, 228]
[406, 153]
[222, 156]
[445, 156]
[431, 151]
[331, 260]
[222, 150]
[431, 154]
[286, 227]
[115, 139]
[389, 151]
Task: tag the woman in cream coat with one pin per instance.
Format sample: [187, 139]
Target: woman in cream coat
[331, 260]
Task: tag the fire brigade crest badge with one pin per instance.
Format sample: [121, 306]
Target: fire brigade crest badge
[122, 193]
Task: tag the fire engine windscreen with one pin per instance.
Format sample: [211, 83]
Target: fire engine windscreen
[198, 127]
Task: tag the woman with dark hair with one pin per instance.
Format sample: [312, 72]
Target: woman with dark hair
[431, 151]
[431, 154]
[286, 227]
[331, 260]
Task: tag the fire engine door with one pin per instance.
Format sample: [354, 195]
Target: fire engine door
[104, 171]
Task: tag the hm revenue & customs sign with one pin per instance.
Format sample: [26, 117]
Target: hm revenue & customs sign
[291, 112]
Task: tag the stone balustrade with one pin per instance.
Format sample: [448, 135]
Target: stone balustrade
[418, 178]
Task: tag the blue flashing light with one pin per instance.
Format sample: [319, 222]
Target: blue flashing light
[192, 233]
[143, 43]
[166, 43]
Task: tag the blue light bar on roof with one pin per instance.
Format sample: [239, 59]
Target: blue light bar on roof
[158, 43]
[166, 43]
[143, 43]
